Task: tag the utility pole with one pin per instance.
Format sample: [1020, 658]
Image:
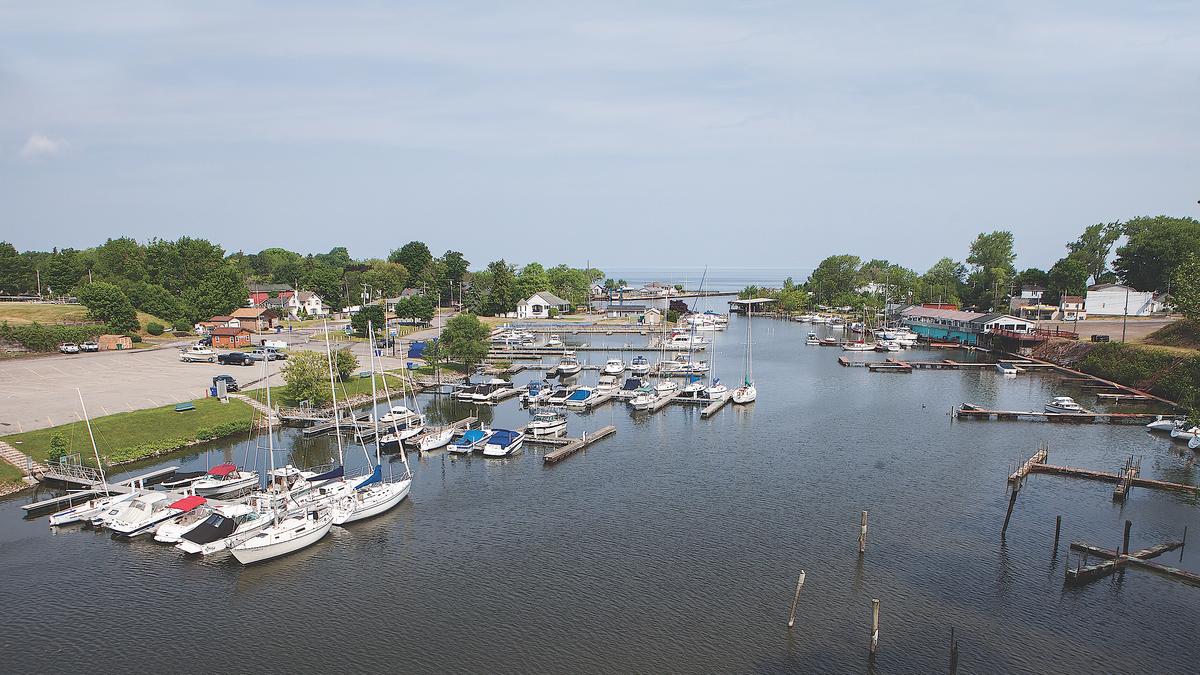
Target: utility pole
[39, 282]
[1125, 319]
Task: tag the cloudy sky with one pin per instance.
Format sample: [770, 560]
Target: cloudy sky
[748, 133]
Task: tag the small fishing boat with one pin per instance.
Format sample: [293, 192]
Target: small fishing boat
[546, 423]
[196, 353]
[1007, 369]
[1063, 404]
[503, 443]
[535, 392]
[828, 342]
[639, 366]
[225, 479]
[581, 398]
[471, 440]
[568, 365]
[1164, 424]
[396, 414]
[812, 340]
[645, 397]
[614, 367]
[554, 342]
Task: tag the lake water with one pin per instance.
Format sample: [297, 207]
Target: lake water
[672, 546]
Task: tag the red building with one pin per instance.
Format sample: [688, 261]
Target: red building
[940, 305]
[225, 337]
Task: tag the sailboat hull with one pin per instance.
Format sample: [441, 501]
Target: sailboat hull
[274, 546]
[743, 395]
[377, 501]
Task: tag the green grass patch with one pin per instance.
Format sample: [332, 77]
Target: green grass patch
[1182, 334]
[130, 436]
[32, 312]
[444, 367]
[355, 386]
[1160, 371]
[9, 473]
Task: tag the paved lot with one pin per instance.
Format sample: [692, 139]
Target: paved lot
[1135, 330]
[36, 393]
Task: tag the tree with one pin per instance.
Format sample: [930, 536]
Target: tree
[569, 283]
[1068, 276]
[456, 266]
[502, 296]
[326, 282]
[60, 447]
[992, 251]
[15, 275]
[532, 279]
[465, 339]
[434, 354]
[373, 314]
[421, 308]
[836, 274]
[63, 271]
[943, 282]
[337, 258]
[1154, 248]
[306, 377]
[221, 291]
[1093, 247]
[344, 363]
[388, 279]
[109, 304]
[1185, 288]
[121, 259]
[415, 257]
[153, 299]
[792, 299]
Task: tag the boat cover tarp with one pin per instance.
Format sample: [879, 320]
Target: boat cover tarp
[580, 395]
[222, 470]
[471, 437]
[332, 474]
[375, 477]
[188, 503]
[632, 384]
[416, 350]
[213, 528]
[503, 437]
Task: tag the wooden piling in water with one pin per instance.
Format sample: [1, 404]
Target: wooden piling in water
[1125, 538]
[1012, 501]
[862, 534]
[1057, 528]
[796, 600]
[874, 625]
[953, 653]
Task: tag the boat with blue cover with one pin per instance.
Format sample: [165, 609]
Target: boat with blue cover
[503, 443]
[472, 439]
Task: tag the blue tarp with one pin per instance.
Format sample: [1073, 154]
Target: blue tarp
[580, 395]
[416, 350]
[503, 437]
[375, 477]
[471, 437]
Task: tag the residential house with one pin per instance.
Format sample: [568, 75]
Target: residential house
[1072, 308]
[538, 306]
[1029, 295]
[1118, 300]
[623, 311]
[227, 337]
[256, 318]
[653, 317]
[260, 293]
[220, 321]
[658, 288]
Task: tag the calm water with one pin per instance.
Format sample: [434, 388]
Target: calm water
[671, 547]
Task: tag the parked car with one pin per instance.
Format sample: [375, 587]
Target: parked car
[68, 348]
[230, 383]
[205, 341]
[268, 354]
[236, 359]
[90, 346]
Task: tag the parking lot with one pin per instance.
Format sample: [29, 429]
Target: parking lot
[36, 393]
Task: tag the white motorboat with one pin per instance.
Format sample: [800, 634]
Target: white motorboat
[692, 391]
[568, 365]
[1165, 424]
[554, 342]
[818, 319]
[396, 414]
[173, 531]
[471, 440]
[682, 364]
[639, 366]
[536, 392]
[1185, 434]
[1007, 369]
[392, 440]
[503, 443]
[1063, 404]
[1194, 444]
[608, 384]
[614, 367]
[644, 398]
[144, 512]
[87, 511]
[197, 353]
[804, 318]
[221, 528]
[887, 346]
[686, 342]
[546, 423]
[225, 479]
[436, 439]
[812, 340]
[581, 398]
[288, 533]
[559, 396]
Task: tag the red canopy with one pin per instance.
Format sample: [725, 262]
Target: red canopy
[222, 470]
[188, 503]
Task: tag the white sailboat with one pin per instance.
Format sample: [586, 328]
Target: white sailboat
[289, 531]
[85, 512]
[747, 392]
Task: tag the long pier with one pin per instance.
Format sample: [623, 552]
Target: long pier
[344, 422]
[94, 487]
[968, 411]
[714, 407]
[574, 445]
[1115, 560]
[1124, 476]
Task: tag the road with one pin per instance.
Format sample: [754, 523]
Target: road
[36, 393]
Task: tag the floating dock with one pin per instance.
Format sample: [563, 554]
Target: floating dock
[573, 445]
[93, 486]
[344, 423]
[1115, 560]
[714, 407]
[973, 412]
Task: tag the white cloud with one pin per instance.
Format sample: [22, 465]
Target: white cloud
[41, 145]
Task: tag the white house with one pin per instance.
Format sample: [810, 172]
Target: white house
[539, 304]
[308, 301]
[1071, 308]
[1113, 299]
[653, 317]
[871, 288]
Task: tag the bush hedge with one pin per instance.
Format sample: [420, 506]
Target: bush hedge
[39, 337]
[155, 328]
[1158, 371]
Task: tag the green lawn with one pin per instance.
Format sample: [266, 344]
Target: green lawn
[355, 386]
[132, 435]
[29, 312]
[9, 473]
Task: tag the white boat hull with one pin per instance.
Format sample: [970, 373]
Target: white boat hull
[492, 450]
[744, 395]
[89, 510]
[268, 544]
[1164, 425]
[207, 488]
[436, 440]
[377, 499]
[546, 429]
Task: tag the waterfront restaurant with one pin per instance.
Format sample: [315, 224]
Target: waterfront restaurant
[952, 325]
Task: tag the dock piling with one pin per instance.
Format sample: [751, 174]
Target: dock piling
[953, 653]
[1012, 501]
[1057, 529]
[862, 535]
[796, 600]
[1125, 538]
[874, 626]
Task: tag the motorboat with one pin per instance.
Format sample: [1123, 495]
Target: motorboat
[828, 342]
[222, 527]
[812, 340]
[559, 396]
[1185, 434]
[535, 392]
[436, 439]
[85, 512]
[686, 342]
[1165, 424]
[371, 496]
[401, 432]
[837, 321]
[856, 327]
[554, 342]
[286, 534]
[225, 479]
[613, 367]
[644, 398]
[503, 443]
[546, 423]
[396, 414]
[144, 512]
[1063, 404]
[173, 531]
[471, 440]
[582, 398]
[196, 353]
[639, 366]
[568, 365]
[682, 365]
[858, 346]
[1194, 444]
[818, 319]
[1007, 369]
[887, 346]
[608, 385]
[466, 392]
[804, 318]
[632, 384]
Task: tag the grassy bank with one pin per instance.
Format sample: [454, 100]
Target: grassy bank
[1181, 335]
[8, 474]
[30, 312]
[127, 437]
[1163, 371]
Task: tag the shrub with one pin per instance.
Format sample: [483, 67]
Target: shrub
[47, 337]
[59, 447]
[155, 328]
[135, 337]
[164, 445]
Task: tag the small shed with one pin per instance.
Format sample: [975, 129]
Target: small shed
[113, 342]
[227, 337]
[623, 310]
[653, 317]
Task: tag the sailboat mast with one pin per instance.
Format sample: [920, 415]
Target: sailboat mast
[337, 427]
[87, 420]
[271, 444]
[374, 395]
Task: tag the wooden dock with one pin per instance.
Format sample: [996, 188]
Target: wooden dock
[344, 423]
[662, 402]
[1038, 458]
[574, 445]
[973, 412]
[1114, 560]
[714, 407]
[1134, 481]
[94, 487]
[461, 425]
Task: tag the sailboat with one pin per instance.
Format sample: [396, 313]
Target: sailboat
[372, 495]
[289, 531]
[747, 393]
[88, 510]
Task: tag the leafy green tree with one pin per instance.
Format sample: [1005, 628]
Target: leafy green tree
[121, 259]
[1093, 247]
[64, 270]
[465, 339]
[370, 313]
[502, 296]
[337, 258]
[153, 299]
[532, 279]
[792, 299]
[386, 278]
[108, 303]
[1185, 288]
[220, 292]
[994, 250]
[569, 283]
[422, 308]
[344, 363]
[1154, 248]
[59, 447]
[306, 377]
[476, 292]
[434, 354]
[16, 277]
[155, 328]
[456, 266]
[1068, 276]
[749, 293]
[835, 275]
[326, 282]
[415, 257]
[672, 316]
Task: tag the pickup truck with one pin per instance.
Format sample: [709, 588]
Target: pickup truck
[235, 359]
[230, 383]
[268, 354]
[89, 346]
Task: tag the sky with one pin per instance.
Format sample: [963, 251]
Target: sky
[690, 133]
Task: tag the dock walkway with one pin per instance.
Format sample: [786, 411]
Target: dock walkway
[574, 445]
[92, 486]
[974, 412]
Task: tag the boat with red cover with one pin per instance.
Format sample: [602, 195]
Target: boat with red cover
[225, 479]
